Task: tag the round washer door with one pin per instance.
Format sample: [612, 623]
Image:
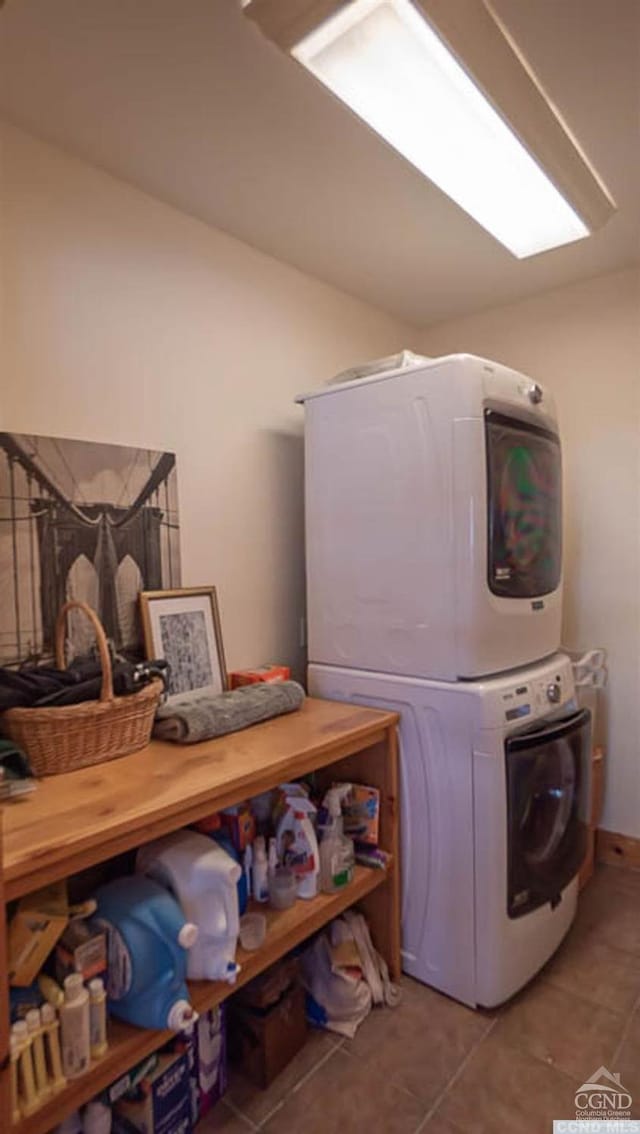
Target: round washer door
[548, 792]
[553, 783]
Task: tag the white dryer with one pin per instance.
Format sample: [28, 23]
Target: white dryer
[433, 521]
[495, 802]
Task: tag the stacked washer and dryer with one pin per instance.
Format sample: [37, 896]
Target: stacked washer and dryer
[434, 579]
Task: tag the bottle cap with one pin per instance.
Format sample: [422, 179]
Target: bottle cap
[20, 1029]
[33, 1020]
[181, 1016]
[47, 1013]
[188, 935]
[96, 987]
[73, 986]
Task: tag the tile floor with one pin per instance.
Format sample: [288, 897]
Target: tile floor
[432, 1066]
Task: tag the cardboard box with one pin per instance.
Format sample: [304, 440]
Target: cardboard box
[260, 673]
[239, 822]
[38, 923]
[161, 1103]
[265, 1041]
[81, 949]
[206, 1051]
[361, 813]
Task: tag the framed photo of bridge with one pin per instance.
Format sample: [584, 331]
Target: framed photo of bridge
[183, 627]
[82, 520]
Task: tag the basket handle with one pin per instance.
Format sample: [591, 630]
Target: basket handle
[106, 692]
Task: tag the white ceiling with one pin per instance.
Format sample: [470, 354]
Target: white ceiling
[189, 102]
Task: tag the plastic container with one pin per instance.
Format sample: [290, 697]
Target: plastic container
[223, 840]
[283, 888]
[272, 857]
[29, 1101]
[297, 844]
[204, 879]
[34, 1027]
[97, 1018]
[51, 1030]
[337, 854]
[148, 937]
[247, 868]
[260, 871]
[253, 930]
[74, 1027]
[14, 1058]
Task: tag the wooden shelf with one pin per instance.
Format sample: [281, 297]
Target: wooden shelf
[78, 819]
[128, 1045]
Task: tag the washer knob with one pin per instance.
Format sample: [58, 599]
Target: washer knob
[553, 692]
[535, 394]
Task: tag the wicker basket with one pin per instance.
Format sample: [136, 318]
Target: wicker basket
[91, 732]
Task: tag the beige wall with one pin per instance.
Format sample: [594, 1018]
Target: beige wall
[584, 342]
[127, 321]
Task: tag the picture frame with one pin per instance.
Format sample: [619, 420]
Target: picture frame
[183, 627]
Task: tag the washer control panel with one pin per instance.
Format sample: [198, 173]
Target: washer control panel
[533, 698]
[516, 700]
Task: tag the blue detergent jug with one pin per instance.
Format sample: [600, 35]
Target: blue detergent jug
[147, 939]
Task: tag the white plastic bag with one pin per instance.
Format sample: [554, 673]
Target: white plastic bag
[346, 999]
[345, 975]
[397, 361]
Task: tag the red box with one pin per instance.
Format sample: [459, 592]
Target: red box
[260, 673]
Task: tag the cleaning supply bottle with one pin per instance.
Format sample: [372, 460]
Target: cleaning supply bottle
[337, 855]
[74, 1027]
[297, 845]
[272, 858]
[247, 865]
[14, 1057]
[259, 879]
[34, 1027]
[97, 1018]
[29, 1101]
[147, 940]
[203, 878]
[51, 1029]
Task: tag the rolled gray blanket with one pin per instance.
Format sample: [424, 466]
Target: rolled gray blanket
[201, 718]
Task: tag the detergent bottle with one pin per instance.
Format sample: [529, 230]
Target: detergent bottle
[337, 855]
[147, 940]
[203, 878]
[297, 846]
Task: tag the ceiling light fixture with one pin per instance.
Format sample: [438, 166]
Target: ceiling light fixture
[442, 82]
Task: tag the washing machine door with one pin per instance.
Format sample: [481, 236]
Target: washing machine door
[548, 807]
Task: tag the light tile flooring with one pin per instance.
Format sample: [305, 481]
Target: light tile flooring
[432, 1066]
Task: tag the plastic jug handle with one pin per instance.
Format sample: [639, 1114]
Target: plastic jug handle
[232, 918]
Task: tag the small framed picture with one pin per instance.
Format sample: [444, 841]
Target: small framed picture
[183, 627]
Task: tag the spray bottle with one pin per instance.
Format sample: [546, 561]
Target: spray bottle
[337, 856]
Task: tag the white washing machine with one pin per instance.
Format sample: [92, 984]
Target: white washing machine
[495, 788]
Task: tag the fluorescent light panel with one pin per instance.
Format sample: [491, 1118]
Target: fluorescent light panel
[383, 59]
